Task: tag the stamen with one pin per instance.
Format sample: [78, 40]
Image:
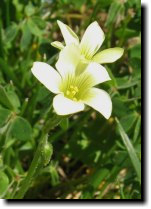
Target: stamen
[68, 92]
[73, 92]
[75, 99]
[76, 89]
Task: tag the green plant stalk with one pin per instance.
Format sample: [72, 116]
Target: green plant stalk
[8, 12]
[24, 106]
[26, 182]
[1, 43]
[127, 20]
[37, 160]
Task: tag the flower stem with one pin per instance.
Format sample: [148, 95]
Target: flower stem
[37, 160]
[27, 181]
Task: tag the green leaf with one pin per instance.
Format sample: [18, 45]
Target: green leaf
[29, 9]
[137, 92]
[39, 22]
[20, 129]
[113, 12]
[98, 177]
[128, 120]
[18, 6]
[14, 99]
[135, 52]
[112, 82]
[125, 82]
[7, 70]
[4, 116]
[11, 32]
[26, 37]
[137, 129]
[4, 182]
[127, 33]
[27, 146]
[130, 150]
[93, 182]
[134, 3]
[135, 63]
[34, 28]
[64, 123]
[104, 3]
[78, 3]
[4, 99]
[119, 108]
[9, 143]
[43, 94]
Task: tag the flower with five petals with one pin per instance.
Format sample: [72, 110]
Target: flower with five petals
[89, 45]
[74, 90]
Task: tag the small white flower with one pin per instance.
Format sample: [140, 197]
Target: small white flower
[89, 45]
[74, 91]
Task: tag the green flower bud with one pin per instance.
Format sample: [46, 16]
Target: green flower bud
[47, 152]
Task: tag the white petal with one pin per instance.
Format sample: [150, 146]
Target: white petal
[81, 67]
[47, 75]
[65, 106]
[108, 55]
[100, 101]
[69, 58]
[98, 73]
[68, 34]
[57, 44]
[92, 40]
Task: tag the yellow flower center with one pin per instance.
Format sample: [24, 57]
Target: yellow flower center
[75, 87]
[71, 92]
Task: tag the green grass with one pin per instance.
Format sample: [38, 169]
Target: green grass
[93, 158]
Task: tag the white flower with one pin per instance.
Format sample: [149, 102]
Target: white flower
[89, 45]
[74, 91]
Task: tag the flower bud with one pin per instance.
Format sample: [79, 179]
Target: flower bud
[47, 153]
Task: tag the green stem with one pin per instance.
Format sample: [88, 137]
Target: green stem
[122, 39]
[1, 42]
[7, 13]
[37, 160]
[27, 181]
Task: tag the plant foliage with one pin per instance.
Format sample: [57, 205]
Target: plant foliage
[93, 158]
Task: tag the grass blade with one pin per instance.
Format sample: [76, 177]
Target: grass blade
[137, 129]
[130, 150]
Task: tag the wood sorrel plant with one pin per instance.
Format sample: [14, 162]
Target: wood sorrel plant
[78, 71]
[74, 90]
